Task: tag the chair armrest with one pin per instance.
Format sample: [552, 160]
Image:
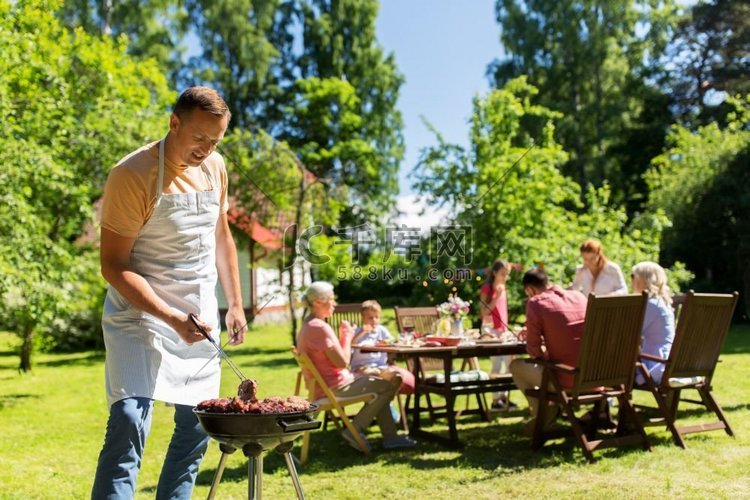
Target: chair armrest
[564, 368]
[552, 365]
[651, 357]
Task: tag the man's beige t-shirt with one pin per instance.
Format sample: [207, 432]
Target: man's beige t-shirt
[130, 191]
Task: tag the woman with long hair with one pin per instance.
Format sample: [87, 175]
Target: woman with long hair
[598, 274]
[331, 354]
[658, 323]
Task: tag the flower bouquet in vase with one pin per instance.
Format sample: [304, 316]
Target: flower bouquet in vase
[452, 314]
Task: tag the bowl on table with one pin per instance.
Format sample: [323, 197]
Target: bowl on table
[452, 340]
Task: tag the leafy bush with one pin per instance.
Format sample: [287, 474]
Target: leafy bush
[71, 105]
[700, 182]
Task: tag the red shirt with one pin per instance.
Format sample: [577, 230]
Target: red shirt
[499, 313]
[555, 318]
[315, 338]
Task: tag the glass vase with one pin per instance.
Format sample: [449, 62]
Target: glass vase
[457, 327]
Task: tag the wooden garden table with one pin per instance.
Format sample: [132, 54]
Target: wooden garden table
[450, 389]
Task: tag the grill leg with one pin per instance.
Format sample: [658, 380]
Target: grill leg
[254, 454]
[293, 472]
[254, 477]
[225, 452]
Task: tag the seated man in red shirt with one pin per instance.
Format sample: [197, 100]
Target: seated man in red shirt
[554, 325]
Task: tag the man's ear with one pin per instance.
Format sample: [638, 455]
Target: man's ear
[174, 123]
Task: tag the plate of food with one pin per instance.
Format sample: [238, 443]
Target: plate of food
[452, 340]
[487, 339]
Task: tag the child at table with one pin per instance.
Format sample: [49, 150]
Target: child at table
[493, 299]
[376, 363]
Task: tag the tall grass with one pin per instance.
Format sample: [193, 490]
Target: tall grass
[52, 424]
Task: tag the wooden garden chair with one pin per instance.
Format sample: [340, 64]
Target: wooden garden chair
[333, 406]
[699, 337]
[349, 312]
[677, 302]
[423, 320]
[606, 368]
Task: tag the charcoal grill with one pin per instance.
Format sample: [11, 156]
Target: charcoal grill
[254, 433]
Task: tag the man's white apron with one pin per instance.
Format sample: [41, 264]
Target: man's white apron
[175, 251]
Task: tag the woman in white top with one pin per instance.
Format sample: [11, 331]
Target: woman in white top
[598, 274]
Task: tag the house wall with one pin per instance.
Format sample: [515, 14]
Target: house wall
[272, 288]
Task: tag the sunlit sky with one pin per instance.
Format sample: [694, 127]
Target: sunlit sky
[442, 47]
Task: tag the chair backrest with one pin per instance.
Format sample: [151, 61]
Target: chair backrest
[677, 302]
[611, 342]
[349, 312]
[312, 376]
[699, 337]
[422, 320]
[419, 319]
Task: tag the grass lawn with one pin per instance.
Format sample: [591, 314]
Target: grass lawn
[53, 421]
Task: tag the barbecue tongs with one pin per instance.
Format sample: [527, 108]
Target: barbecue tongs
[221, 352]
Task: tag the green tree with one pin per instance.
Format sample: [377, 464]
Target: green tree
[591, 60]
[710, 53]
[700, 182]
[155, 29]
[325, 129]
[244, 52]
[339, 41]
[509, 189]
[71, 103]
[277, 62]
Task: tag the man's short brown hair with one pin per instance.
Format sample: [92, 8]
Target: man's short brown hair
[371, 305]
[204, 98]
[536, 278]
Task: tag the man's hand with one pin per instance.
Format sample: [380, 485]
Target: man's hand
[229, 277]
[187, 330]
[236, 325]
[521, 334]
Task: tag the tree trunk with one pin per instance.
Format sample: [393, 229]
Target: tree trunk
[107, 17]
[28, 337]
[290, 298]
[293, 248]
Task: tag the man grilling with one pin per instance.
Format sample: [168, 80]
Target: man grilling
[165, 240]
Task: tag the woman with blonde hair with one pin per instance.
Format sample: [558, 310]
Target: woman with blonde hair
[658, 323]
[598, 274]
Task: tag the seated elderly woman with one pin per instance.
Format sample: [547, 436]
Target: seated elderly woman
[658, 324]
[331, 355]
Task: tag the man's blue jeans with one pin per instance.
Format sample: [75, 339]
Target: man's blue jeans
[120, 459]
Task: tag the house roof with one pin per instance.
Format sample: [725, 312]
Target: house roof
[260, 221]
